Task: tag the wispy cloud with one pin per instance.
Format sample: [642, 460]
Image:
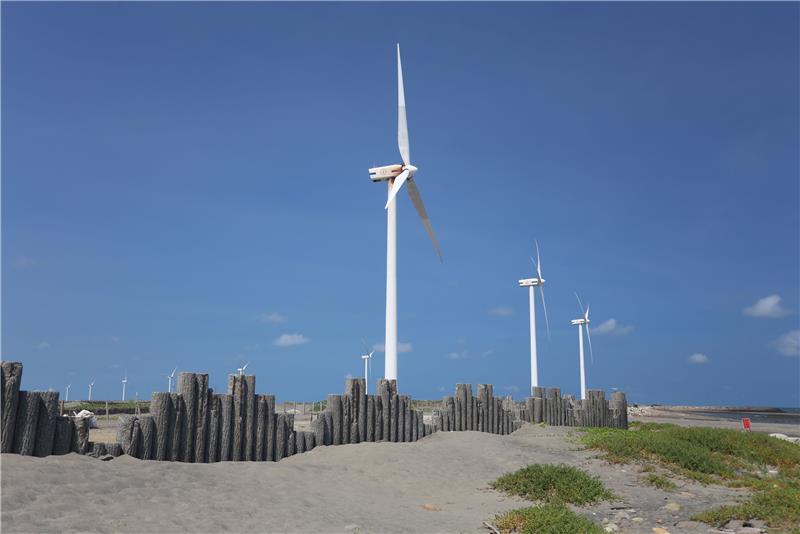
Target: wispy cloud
[613, 327]
[463, 354]
[24, 262]
[501, 311]
[271, 318]
[769, 307]
[289, 340]
[458, 355]
[698, 358]
[44, 345]
[788, 344]
[401, 347]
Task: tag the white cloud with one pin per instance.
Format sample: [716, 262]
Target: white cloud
[25, 261]
[502, 311]
[271, 318]
[401, 347]
[788, 344]
[698, 358]
[767, 307]
[288, 340]
[458, 355]
[43, 345]
[612, 326]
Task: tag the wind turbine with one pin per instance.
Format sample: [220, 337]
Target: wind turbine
[124, 383]
[367, 366]
[395, 176]
[583, 321]
[91, 385]
[531, 284]
[169, 378]
[241, 369]
[66, 398]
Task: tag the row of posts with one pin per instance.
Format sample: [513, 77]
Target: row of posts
[484, 413]
[549, 407]
[32, 422]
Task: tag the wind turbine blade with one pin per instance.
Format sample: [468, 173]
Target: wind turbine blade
[589, 337]
[580, 306]
[544, 305]
[402, 123]
[398, 183]
[416, 199]
[538, 261]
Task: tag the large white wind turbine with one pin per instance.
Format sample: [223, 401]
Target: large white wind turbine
[241, 369]
[583, 322]
[396, 176]
[367, 366]
[169, 378]
[124, 383]
[66, 398]
[91, 385]
[531, 284]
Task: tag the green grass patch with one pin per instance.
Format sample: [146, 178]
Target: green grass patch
[546, 519]
[660, 482]
[553, 484]
[713, 455]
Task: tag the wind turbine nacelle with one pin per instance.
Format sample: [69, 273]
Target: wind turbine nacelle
[380, 174]
[529, 282]
[579, 321]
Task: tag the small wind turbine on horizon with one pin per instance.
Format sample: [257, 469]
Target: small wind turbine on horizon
[531, 284]
[395, 176]
[66, 397]
[91, 385]
[367, 366]
[583, 322]
[169, 378]
[124, 383]
[240, 370]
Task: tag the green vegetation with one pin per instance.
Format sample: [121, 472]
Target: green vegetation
[712, 455]
[660, 481]
[553, 484]
[546, 519]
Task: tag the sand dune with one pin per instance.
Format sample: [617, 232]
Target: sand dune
[439, 484]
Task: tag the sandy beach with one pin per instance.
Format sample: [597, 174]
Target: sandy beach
[439, 484]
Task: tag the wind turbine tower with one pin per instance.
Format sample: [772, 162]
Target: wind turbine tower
[582, 323]
[91, 385]
[124, 383]
[395, 176]
[66, 397]
[169, 378]
[367, 365]
[532, 284]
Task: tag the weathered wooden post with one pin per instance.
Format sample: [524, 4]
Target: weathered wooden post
[386, 410]
[378, 418]
[335, 408]
[249, 441]
[362, 409]
[347, 403]
[482, 396]
[269, 428]
[261, 428]
[369, 421]
[318, 428]
[187, 388]
[148, 429]
[80, 435]
[291, 443]
[26, 420]
[227, 416]
[63, 438]
[311, 440]
[407, 419]
[161, 410]
[46, 423]
[11, 373]
[395, 417]
[201, 421]
[280, 437]
[214, 428]
[468, 407]
[237, 389]
[300, 442]
[177, 426]
[621, 404]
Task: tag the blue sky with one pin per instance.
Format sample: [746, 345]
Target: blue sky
[186, 185]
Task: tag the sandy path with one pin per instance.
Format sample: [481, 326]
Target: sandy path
[438, 484]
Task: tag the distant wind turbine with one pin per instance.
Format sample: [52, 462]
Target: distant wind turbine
[66, 398]
[367, 366]
[583, 322]
[531, 284]
[241, 369]
[91, 385]
[169, 378]
[396, 176]
[124, 383]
